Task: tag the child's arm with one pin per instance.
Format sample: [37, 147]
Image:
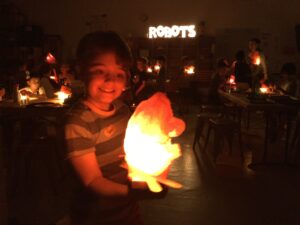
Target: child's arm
[90, 174]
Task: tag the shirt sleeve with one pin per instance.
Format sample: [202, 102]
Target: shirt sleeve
[78, 139]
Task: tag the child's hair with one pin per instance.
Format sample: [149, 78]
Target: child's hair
[101, 42]
[33, 75]
[255, 40]
[142, 60]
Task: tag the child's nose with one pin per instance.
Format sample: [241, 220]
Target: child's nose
[110, 77]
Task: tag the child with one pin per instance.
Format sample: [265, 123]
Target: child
[138, 81]
[257, 62]
[94, 134]
[242, 69]
[66, 77]
[34, 88]
[218, 81]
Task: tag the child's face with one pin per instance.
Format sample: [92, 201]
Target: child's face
[140, 66]
[34, 83]
[65, 68]
[252, 46]
[107, 79]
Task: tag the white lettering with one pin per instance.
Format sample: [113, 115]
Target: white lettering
[192, 31]
[174, 31]
[152, 32]
[183, 31]
[160, 31]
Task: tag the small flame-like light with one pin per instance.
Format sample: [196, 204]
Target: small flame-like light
[257, 61]
[157, 68]
[52, 77]
[50, 58]
[149, 69]
[231, 79]
[61, 96]
[23, 99]
[189, 70]
[264, 89]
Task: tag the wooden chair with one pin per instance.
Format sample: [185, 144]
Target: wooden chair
[224, 129]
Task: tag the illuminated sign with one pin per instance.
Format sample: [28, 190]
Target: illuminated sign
[172, 32]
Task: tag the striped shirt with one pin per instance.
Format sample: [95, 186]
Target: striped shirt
[87, 130]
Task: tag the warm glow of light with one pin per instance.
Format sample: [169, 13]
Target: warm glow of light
[257, 61]
[157, 68]
[147, 143]
[23, 97]
[52, 78]
[264, 89]
[231, 79]
[189, 70]
[61, 96]
[149, 69]
[172, 32]
[50, 58]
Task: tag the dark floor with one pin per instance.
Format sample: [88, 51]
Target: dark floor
[226, 193]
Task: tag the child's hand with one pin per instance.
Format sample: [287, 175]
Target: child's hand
[24, 92]
[140, 191]
[65, 89]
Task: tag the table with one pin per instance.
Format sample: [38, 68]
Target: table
[242, 101]
[12, 114]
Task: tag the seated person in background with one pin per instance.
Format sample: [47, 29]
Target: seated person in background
[161, 73]
[49, 84]
[66, 77]
[218, 81]
[138, 79]
[257, 62]
[287, 84]
[34, 88]
[22, 74]
[242, 69]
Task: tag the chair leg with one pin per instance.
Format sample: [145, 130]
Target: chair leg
[241, 144]
[229, 137]
[218, 139]
[197, 134]
[207, 138]
[248, 120]
[295, 141]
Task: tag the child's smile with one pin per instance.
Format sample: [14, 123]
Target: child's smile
[107, 80]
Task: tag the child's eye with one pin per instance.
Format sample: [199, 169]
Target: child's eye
[97, 72]
[121, 76]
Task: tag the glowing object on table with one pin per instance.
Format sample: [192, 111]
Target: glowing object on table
[189, 70]
[50, 58]
[257, 61]
[187, 31]
[149, 69]
[157, 68]
[23, 99]
[231, 79]
[61, 96]
[148, 148]
[264, 89]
